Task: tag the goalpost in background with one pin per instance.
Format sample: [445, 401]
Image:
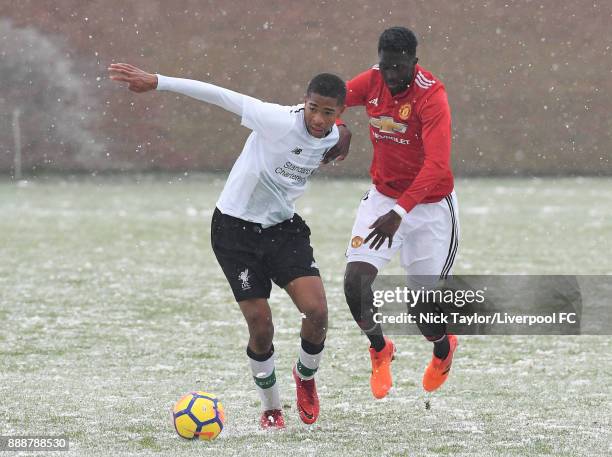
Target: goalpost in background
[17, 145]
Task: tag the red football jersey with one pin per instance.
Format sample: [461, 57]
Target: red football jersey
[411, 135]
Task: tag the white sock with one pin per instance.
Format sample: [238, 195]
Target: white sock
[307, 364]
[265, 383]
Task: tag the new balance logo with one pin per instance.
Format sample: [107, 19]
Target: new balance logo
[374, 101]
[244, 277]
[296, 151]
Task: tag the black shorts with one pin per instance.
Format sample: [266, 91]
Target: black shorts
[252, 257]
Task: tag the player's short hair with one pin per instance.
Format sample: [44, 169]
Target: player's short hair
[398, 39]
[328, 85]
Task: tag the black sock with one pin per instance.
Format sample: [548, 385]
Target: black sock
[311, 348]
[441, 347]
[377, 342]
[260, 357]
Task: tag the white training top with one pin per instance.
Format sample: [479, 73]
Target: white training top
[277, 159]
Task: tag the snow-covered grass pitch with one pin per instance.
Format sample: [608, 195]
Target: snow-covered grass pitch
[112, 306]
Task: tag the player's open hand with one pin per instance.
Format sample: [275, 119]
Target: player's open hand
[138, 80]
[384, 228]
[341, 149]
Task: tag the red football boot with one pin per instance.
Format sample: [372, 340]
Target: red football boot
[272, 419]
[307, 398]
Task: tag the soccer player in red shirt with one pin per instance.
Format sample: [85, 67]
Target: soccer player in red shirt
[411, 207]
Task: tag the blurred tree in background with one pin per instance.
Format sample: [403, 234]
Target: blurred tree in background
[55, 111]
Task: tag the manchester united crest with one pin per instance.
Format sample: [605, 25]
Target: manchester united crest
[404, 111]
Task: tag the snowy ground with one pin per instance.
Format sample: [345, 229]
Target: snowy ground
[112, 306]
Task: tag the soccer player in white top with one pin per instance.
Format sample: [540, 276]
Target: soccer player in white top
[256, 235]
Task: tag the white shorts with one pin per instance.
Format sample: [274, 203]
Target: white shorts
[427, 238]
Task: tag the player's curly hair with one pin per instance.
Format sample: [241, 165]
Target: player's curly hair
[328, 85]
[398, 39]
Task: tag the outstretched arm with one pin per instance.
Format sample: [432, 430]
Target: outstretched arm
[140, 81]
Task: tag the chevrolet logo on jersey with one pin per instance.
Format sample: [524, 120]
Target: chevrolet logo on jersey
[386, 124]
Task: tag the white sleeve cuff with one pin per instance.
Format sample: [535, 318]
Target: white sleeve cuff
[399, 210]
[162, 82]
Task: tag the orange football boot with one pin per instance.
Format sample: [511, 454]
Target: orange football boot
[381, 380]
[438, 369]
